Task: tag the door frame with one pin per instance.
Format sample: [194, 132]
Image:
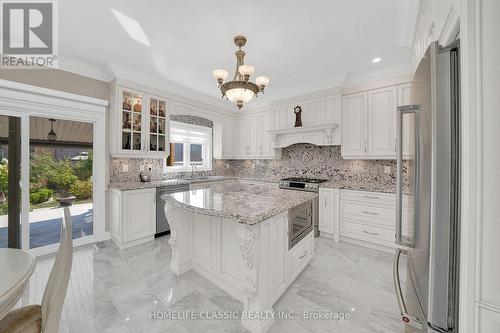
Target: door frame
[23, 100]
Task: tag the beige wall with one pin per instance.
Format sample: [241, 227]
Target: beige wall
[58, 80]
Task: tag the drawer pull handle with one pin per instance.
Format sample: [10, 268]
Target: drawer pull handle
[370, 197]
[304, 255]
[371, 233]
[369, 213]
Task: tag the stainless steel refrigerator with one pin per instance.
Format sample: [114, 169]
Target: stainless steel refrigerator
[428, 169]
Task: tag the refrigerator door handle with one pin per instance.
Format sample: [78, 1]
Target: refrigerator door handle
[402, 110]
[406, 318]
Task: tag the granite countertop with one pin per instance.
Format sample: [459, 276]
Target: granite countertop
[360, 186]
[245, 202]
[135, 185]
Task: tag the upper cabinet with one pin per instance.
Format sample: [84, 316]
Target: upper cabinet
[382, 122]
[139, 124]
[254, 140]
[354, 136]
[369, 123]
[438, 20]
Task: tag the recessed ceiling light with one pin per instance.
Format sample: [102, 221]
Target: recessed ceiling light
[132, 27]
[376, 59]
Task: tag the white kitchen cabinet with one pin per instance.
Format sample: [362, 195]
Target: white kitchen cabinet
[382, 122]
[369, 218]
[132, 216]
[328, 220]
[139, 124]
[354, 140]
[369, 123]
[229, 138]
[266, 148]
[254, 139]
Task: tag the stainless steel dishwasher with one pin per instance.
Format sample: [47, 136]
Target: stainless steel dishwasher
[162, 227]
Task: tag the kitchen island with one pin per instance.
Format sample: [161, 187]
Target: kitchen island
[235, 234]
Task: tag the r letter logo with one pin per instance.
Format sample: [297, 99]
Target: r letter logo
[28, 34]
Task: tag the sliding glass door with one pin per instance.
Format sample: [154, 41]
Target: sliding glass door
[60, 175]
[46, 164]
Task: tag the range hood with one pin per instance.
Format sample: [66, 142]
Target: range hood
[320, 135]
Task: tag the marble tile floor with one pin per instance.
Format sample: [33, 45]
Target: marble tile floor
[114, 290]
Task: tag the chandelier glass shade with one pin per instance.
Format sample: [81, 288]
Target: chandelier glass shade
[240, 90]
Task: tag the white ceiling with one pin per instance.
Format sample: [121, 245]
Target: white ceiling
[302, 46]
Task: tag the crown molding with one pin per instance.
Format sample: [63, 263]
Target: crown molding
[77, 67]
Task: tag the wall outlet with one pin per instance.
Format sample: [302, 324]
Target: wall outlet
[141, 167]
[124, 167]
[387, 169]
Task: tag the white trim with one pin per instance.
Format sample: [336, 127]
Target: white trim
[45, 92]
[48, 249]
[77, 67]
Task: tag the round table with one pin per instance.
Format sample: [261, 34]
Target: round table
[16, 267]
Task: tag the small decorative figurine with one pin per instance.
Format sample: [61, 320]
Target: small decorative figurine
[137, 105]
[298, 116]
[127, 105]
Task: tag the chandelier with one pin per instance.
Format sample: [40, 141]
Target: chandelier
[240, 90]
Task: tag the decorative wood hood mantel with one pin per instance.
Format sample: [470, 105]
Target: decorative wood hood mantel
[320, 135]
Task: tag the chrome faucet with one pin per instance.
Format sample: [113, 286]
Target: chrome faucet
[193, 169]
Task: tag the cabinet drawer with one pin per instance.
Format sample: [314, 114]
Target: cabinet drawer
[301, 253]
[371, 214]
[368, 233]
[370, 197]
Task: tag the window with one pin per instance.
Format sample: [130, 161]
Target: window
[192, 146]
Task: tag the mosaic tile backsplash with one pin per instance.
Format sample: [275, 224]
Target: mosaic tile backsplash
[300, 160]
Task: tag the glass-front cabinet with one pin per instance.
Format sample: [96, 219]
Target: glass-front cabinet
[158, 122]
[139, 123]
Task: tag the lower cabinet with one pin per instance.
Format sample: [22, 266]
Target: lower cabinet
[366, 218]
[132, 216]
[328, 220]
[371, 217]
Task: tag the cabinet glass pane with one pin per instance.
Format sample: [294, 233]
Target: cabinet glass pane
[127, 101]
[126, 140]
[137, 103]
[153, 107]
[137, 122]
[153, 125]
[127, 120]
[161, 143]
[162, 108]
[161, 127]
[153, 142]
[137, 141]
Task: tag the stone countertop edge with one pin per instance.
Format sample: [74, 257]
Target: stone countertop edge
[235, 217]
[336, 184]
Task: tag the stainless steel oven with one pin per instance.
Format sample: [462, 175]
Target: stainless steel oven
[301, 221]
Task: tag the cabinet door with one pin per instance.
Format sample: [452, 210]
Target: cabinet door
[267, 125]
[139, 214]
[158, 127]
[326, 210]
[255, 136]
[244, 136]
[228, 137]
[354, 125]
[131, 124]
[382, 122]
